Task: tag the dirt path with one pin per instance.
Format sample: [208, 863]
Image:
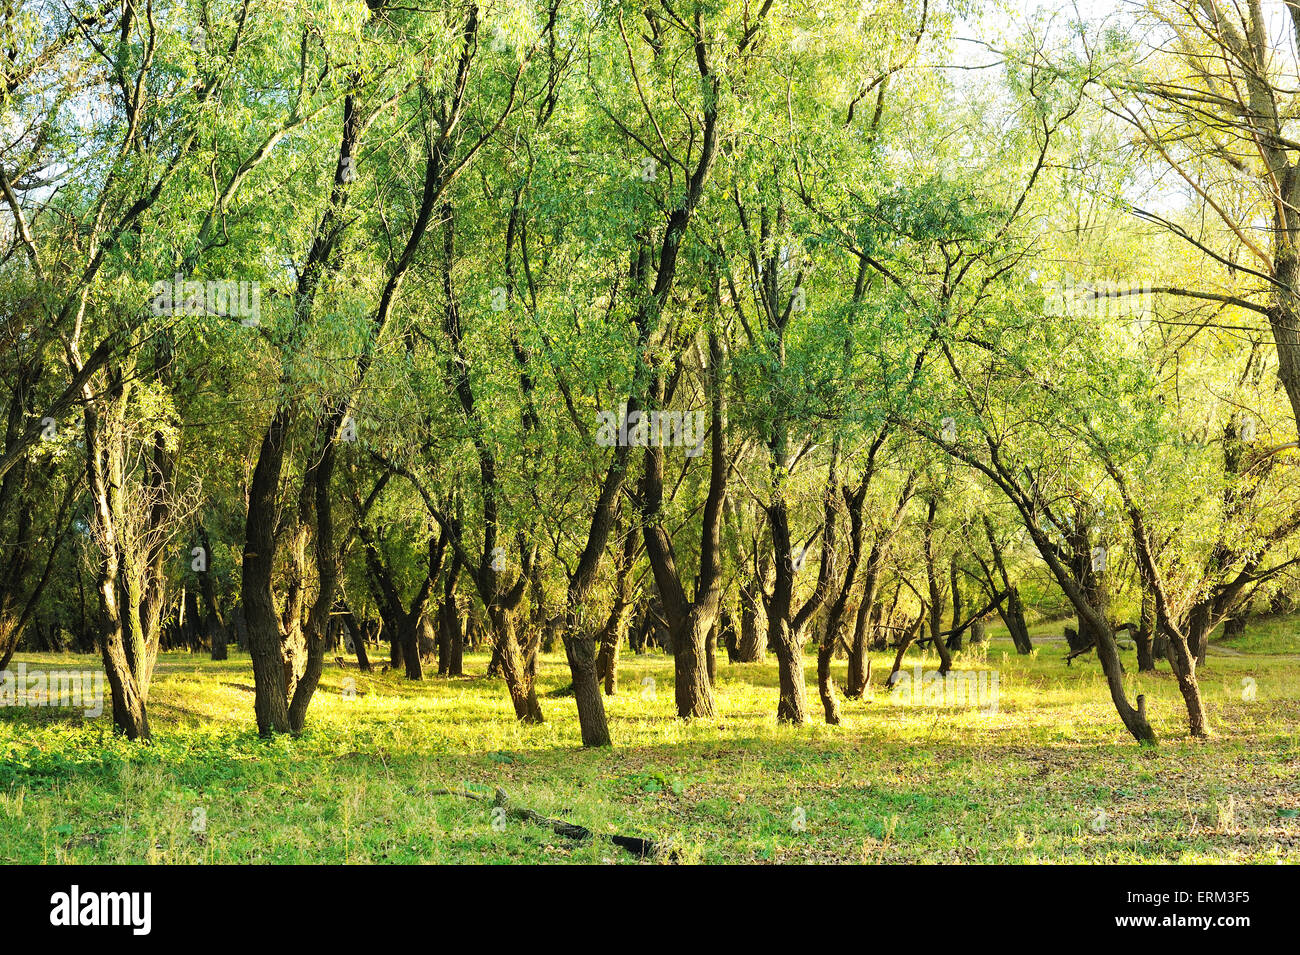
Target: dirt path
[1230, 652]
[1214, 649]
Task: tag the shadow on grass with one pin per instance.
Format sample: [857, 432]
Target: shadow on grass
[41, 716]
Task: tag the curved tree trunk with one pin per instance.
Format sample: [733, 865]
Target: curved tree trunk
[855, 680]
[935, 589]
[1183, 663]
[690, 620]
[1013, 615]
[612, 634]
[785, 627]
[1134, 718]
[838, 613]
[826, 683]
[905, 641]
[358, 636]
[1012, 611]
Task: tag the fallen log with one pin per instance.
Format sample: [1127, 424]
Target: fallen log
[642, 848]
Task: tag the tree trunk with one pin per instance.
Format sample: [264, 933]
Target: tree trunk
[359, 636]
[195, 628]
[1014, 617]
[611, 639]
[1134, 719]
[514, 667]
[826, 682]
[730, 638]
[270, 681]
[1013, 610]
[410, 642]
[607, 661]
[693, 689]
[215, 625]
[690, 620]
[752, 645]
[855, 681]
[581, 654]
[451, 647]
[612, 634]
[1094, 583]
[129, 715]
[127, 661]
[1198, 632]
[838, 614]
[935, 590]
[1183, 663]
[1144, 634]
[316, 483]
[220, 637]
[451, 637]
[954, 573]
[792, 707]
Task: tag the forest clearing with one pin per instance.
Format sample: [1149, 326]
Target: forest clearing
[649, 431]
[1049, 778]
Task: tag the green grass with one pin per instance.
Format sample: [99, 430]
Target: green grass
[1032, 783]
[1279, 635]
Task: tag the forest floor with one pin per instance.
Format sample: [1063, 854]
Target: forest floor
[1050, 776]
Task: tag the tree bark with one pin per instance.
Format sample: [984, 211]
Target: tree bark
[752, 645]
[127, 660]
[690, 621]
[1144, 635]
[359, 636]
[954, 573]
[1012, 611]
[612, 634]
[451, 638]
[838, 613]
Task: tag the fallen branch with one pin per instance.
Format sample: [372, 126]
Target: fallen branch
[1079, 652]
[921, 641]
[1132, 628]
[642, 848]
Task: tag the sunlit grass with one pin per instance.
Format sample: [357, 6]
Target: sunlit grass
[1050, 777]
[1265, 635]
